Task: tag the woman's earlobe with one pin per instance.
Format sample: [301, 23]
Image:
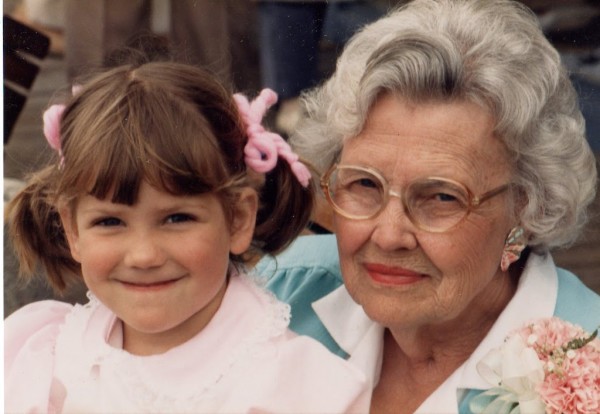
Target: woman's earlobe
[244, 221]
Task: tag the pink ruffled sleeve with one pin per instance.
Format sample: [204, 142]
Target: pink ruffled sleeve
[29, 338]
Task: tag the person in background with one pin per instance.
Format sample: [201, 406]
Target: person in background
[211, 34]
[291, 34]
[164, 187]
[454, 158]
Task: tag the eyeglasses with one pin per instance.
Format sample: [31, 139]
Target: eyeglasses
[432, 204]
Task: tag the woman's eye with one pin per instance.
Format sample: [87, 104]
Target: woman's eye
[366, 182]
[179, 218]
[359, 183]
[108, 222]
[445, 197]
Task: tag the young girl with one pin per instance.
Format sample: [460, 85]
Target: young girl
[157, 201]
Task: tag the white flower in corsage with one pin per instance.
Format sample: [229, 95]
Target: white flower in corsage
[549, 366]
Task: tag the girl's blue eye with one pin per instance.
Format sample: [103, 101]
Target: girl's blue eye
[108, 222]
[179, 218]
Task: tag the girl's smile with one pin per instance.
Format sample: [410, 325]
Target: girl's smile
[150, 286]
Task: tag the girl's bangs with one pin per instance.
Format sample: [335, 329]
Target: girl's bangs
[170, 146]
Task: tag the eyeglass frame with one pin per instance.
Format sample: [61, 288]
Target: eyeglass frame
[474, 201]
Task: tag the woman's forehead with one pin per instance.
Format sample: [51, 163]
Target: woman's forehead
[431, 138]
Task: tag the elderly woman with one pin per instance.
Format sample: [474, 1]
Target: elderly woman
[454, 157]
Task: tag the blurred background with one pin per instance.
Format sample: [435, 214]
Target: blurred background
[288, 46]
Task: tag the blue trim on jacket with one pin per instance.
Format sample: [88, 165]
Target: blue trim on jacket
[304, 273]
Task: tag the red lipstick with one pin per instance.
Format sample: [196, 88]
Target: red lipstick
[388, 275]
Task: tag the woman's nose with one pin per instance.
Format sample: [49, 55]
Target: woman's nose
[393, 228]
[144, 251]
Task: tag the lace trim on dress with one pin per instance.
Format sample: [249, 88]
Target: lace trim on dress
[279, 312]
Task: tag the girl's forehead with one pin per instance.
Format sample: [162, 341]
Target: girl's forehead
[147, 190]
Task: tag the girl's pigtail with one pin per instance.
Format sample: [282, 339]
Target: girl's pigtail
[285, 208]
[37, 234]
[287, 195]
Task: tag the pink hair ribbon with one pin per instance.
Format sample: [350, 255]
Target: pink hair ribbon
[265, 147]
[52, 117]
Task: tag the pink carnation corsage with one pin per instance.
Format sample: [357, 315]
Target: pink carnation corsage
[548, 366]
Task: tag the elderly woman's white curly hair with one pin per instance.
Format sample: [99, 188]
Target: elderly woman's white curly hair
[489, 52]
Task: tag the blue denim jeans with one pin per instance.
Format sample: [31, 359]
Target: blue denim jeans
[289, 36]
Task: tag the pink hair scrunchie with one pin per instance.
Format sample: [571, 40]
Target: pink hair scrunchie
[52, 117]
[265, 147]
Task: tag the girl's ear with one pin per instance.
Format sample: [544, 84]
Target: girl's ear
[244, 220]
[70, 227]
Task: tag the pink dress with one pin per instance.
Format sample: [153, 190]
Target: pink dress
[63, 358]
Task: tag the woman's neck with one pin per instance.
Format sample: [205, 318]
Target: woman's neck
[457, 338]
[417, 360]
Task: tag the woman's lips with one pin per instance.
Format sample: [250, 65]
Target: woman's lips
[388, 275]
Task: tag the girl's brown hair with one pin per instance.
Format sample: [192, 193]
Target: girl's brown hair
[171, 124]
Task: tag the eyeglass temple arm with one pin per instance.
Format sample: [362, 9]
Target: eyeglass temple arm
[492, 193]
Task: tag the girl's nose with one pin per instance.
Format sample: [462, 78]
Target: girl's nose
[393, 228]
[144, 252]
